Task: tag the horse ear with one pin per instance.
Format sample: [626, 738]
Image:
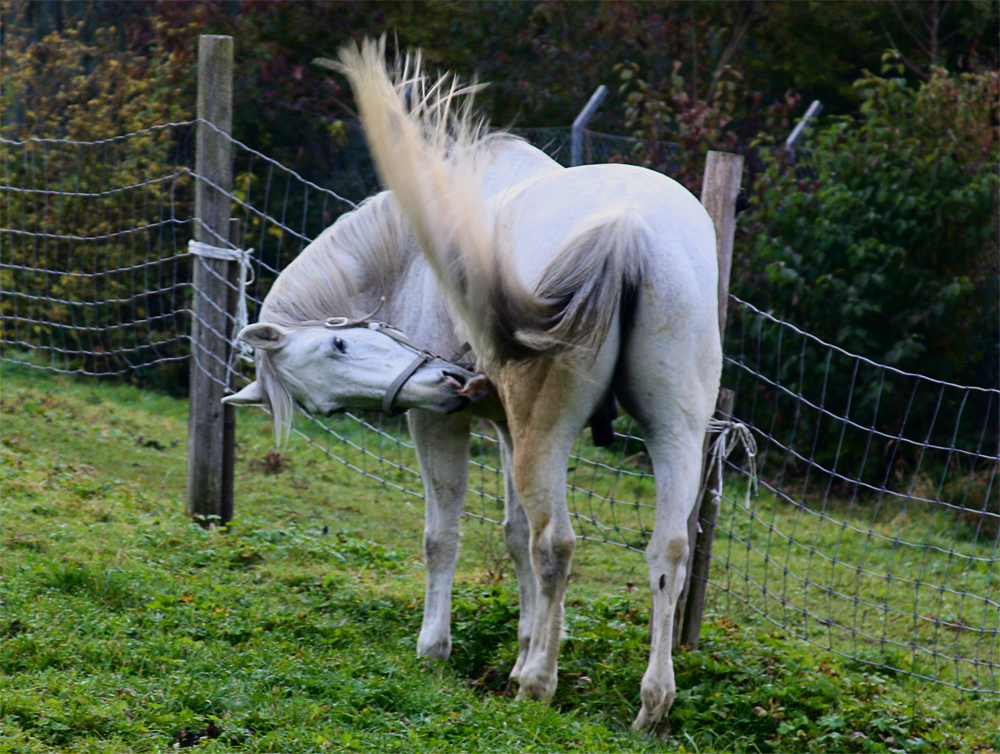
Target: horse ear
[264, 336]
[251, 395]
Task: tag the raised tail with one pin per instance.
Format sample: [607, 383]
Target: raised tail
[431, 152]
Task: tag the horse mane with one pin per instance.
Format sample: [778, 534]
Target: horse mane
[364, 250]
[432, 151]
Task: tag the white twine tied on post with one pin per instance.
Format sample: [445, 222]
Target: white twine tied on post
[243, 256]
[730, 434]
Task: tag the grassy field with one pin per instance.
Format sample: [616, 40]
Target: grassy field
[124, 628]
[897, 581]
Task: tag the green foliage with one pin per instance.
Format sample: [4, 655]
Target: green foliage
[484, 624]
[88, 86]
[669, 113]
[86, 216]
[888, 249]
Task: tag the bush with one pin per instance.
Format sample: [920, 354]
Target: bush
[890, 251]
[882, 240]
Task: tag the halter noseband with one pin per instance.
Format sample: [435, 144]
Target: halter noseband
[423, 355]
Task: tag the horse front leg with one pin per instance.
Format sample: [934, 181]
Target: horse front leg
[442, 444]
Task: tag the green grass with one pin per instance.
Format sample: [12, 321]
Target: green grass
[807, 559]
[121, 623]
[900, 583]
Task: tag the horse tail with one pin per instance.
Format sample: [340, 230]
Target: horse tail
[431, 151]
[593, 276]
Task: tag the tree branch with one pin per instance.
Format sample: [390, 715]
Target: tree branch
[731, 49]
[906, 61]
[899, 15]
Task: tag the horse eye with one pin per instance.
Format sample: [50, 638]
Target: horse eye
[340, 345]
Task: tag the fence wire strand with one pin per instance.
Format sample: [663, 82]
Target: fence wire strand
[876, 529]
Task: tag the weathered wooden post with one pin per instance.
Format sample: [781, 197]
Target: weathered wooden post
[210, 468]
[234, 275]
[719, 191]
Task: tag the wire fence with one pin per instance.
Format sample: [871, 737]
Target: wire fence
[599, 148]
[876, 530]
[93, 272]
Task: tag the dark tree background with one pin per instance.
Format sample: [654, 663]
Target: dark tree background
[889, 246]
[543, 59]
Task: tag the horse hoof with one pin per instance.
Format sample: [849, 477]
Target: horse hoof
[439, 650]
[656, 726]
[537, 687]
[654, 719]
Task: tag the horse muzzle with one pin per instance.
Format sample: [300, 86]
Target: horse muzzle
[439, 386]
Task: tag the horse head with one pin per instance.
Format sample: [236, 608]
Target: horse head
[356, 365]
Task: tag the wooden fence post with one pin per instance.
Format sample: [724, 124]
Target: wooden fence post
[720, 188]
[209, 473]
[235, 273]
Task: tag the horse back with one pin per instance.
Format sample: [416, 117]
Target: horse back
[539, 215]
[514, 162]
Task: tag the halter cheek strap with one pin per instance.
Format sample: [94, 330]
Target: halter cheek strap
[397, 384]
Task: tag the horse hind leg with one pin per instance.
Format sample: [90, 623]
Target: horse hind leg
[552, 543]
[677, 467]
[671, 395]
[517, 536]
[547, 406]
[442, 445]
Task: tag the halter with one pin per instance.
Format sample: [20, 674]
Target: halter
[423, 355]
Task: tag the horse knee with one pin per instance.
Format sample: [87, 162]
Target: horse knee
[440, 548]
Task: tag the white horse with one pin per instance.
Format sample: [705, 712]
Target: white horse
[570, 285]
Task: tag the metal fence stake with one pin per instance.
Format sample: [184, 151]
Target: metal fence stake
[793, 138]
[720, 188]
[581, 121]
[209, 480]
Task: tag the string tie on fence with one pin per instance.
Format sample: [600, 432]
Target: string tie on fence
[243, 257]
[730, 434]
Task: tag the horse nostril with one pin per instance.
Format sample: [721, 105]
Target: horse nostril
[456, 377]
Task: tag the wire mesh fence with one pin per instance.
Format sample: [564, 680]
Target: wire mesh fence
[93, 269]
[875, 533]
[599, 148]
